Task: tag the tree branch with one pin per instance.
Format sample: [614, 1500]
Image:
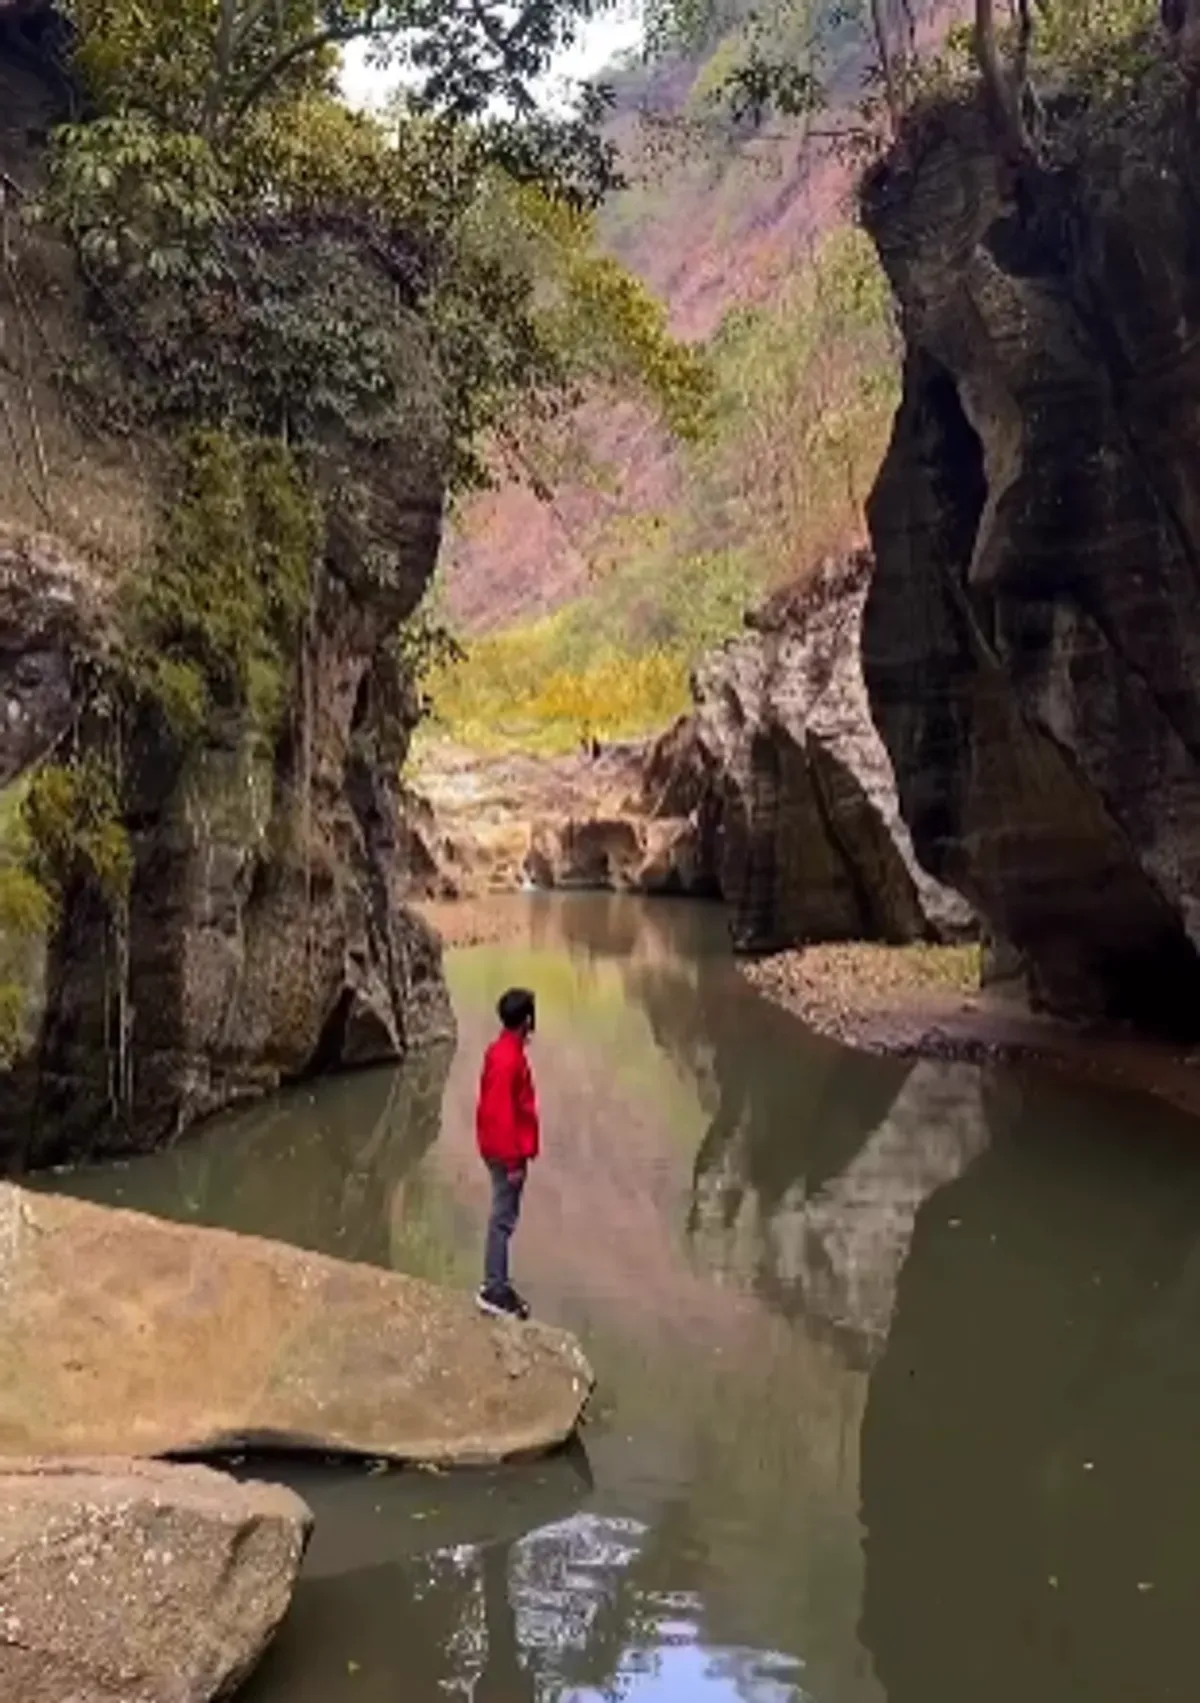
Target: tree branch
[1004, 93]
[222, 66]
[1024, 45]
[306, 48]
[879, 29]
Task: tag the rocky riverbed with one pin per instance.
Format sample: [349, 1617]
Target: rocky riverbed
[926, 1002]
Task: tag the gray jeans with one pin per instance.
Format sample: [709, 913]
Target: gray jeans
[506, 1209]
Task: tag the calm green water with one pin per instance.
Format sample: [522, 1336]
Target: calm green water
[900, 1363]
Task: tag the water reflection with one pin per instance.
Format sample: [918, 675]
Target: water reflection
[320, 1167]
[410, 1575]
[1029, 1485]
[897, 1392]
[492, 1589]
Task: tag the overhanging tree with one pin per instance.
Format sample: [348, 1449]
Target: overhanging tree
[801, 54]
[213, 140]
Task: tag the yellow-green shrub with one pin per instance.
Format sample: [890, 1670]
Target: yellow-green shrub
[523, 689]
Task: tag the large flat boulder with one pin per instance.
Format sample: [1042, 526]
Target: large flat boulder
[123, 1334]
[134, 1582]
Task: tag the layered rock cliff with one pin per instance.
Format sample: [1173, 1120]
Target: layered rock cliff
[1032, 636]
[259, 934]
[788, 787]
[262, 935]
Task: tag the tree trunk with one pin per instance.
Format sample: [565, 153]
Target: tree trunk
[1004, 88]
[1181, 20]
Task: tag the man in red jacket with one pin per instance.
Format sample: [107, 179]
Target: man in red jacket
[506, 1127]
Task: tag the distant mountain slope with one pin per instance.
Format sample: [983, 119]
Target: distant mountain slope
[746, 234]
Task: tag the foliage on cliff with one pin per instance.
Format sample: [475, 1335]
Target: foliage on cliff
[805, 390]
[26, 911]
[245, 527]
[791, 59]
[294, 258]
[289, 293]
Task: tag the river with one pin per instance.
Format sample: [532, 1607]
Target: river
[899, 1362]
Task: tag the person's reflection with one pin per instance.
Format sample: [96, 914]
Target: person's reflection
[1030, 1494]
[504, 1678]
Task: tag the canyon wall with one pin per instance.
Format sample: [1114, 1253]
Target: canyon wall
[788, 786]
[258, 932]
[1032, 632]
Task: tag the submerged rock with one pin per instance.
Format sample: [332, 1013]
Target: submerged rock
[134, 1582]
[787, 786]
[1032, 636]
[124, 1333]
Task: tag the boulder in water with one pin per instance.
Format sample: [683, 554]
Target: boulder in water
[122, 1333]
[134, 1582]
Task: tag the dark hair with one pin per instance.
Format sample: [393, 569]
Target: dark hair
[517, 1009]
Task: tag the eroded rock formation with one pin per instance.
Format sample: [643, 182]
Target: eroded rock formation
[1032, 640]
[122, 1333]
[132, 1582]
[262, 936]
[478, 824]
[788, 787]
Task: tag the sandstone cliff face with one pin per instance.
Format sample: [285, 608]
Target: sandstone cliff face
[1032, 638]
[263, 936]
[788, 786]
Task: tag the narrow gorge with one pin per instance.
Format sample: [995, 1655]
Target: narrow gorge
[716, 560]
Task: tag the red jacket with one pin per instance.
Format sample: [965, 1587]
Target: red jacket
[506, 1119]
